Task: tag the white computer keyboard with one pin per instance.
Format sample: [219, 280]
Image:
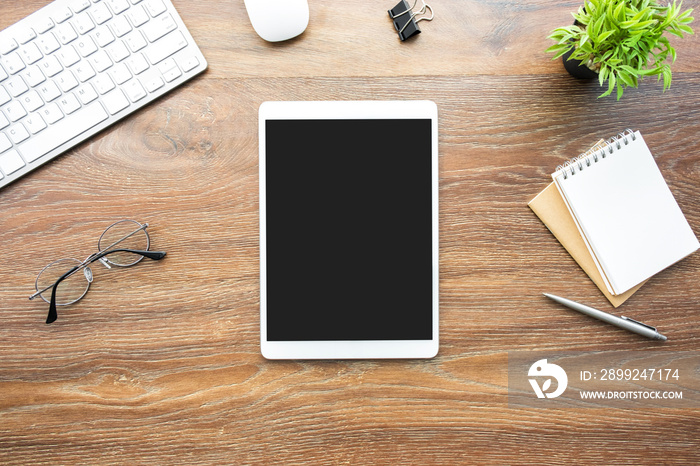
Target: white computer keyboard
[75, 67]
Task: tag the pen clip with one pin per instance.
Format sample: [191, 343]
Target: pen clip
[638, 322]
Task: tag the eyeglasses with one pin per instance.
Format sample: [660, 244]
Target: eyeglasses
[133, 243]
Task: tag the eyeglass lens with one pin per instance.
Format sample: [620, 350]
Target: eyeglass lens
[72, 288]
[125, 234]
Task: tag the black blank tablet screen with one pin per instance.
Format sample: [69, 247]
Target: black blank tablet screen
[349, 231]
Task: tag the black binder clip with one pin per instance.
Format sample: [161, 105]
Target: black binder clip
[404, 18]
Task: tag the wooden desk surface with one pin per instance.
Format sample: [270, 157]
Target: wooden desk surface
[160, 363]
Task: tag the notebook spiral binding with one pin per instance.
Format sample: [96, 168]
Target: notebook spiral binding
[596, 153]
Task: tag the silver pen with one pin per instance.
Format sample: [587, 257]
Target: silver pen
[622, 321]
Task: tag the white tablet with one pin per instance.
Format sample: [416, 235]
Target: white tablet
[348, 230]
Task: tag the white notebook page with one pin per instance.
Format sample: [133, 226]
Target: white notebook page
[627, 215]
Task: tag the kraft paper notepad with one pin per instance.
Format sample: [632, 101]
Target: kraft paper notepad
[551, 209]
[624, 212]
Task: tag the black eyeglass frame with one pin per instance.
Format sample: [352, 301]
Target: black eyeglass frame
[154, 255]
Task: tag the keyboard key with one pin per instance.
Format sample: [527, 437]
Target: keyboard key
[155, 7]
[154, 84]
[50, 66]
[120, 26]
[16, 86]
[100, 13]
[65, 33]
[51, 113]
[169, 70]
[4, 142]
[135, 90]
[66, 81]
[83, 23]
[3, 75]
[115, 101]
[33, 76]
[86, 93]
[103, 36]
[3, 121]
[137, 63]
[68, 103]
[63, 131]
[4, 96]
[79, 5]
[31, 101]
[48, 43]
[30, 53]
[85, 46]
[166, 65]
[159, 27]
[10, 162]
[138, 16]
[120, 73]
[103, 83]
[15, 111]
[49, 91]
[166, 46]
[100, 61]
[189, 63]
[25, 35]
[17, 133]
[7, 45]
[61, 14]
[84, 71]
[34, 123]
[68, 56]
[43, 24]
[118, 6]
[117, 51]
[13, 63]
[135, 41]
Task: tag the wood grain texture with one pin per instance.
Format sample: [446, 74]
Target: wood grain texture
[160, 363]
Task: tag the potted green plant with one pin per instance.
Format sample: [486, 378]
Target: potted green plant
[621, 41]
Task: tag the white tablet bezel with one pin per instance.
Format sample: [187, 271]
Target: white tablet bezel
[356, 349]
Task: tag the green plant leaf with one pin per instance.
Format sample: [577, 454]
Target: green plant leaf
[604, 35]
[643, 24]
[666, 73]
[619, 13]
[625, 78]
[559, 50]
[633, 40]
[643, 13]
[603, 74]
[582, 40]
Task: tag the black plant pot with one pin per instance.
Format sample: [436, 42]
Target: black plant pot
[576, 68]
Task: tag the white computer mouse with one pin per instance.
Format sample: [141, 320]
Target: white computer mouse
[278, 20]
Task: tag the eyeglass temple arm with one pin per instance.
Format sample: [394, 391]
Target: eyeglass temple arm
[155, 255]
[53, 314]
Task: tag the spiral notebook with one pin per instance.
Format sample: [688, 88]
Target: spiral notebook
[551, 209]
[624, 211]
